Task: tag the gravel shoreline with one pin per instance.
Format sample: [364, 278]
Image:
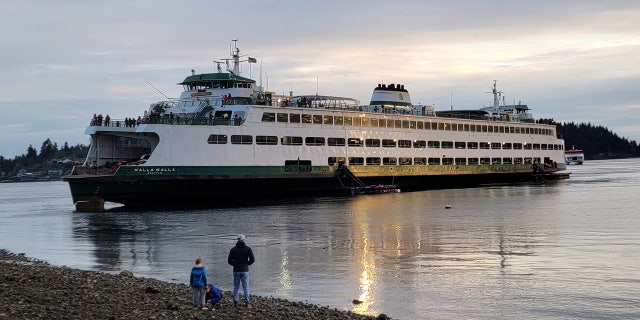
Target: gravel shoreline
[34, 289]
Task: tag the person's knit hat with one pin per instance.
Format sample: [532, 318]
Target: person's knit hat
[241, 237]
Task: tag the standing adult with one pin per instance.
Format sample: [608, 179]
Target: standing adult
[241, 257]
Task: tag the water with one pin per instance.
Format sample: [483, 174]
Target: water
[560, 250]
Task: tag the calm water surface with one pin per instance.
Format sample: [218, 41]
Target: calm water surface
[559, 250]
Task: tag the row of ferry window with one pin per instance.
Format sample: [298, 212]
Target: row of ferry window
[385, 143]
[396, 123]
[392, 161]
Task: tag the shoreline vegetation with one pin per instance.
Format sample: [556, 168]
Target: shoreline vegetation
[34, 289]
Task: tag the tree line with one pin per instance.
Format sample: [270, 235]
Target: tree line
[45, 159]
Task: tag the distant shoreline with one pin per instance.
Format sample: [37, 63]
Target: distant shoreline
[33, 288]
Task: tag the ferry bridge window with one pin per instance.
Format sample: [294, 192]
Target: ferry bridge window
[388, 143]
[283, 117]
[506, 160]
[434, 161]
[356, 122]
[501, 129]
[419, 144]
[496, 145]
[338, 142]
[420, 125]
[328, 120]
[517, 129]
[461, 161]
[404, 143]
[266, 140]
[365, 122]
[405, 124]
[354, 142]
[517, 146]
[314, 141]
[543, 146]
[517, 160]
[506, 145]
[447, 161]
[389, 161]
[412, 125]
[372, 142]
[348, 121]
[355, 161]
[490, 128]
[420, 161]
[527, 146]
[294, 118]
[306, 118]
[512, 130]
[317, 118]
[466, 127]
[440, 126]
[268, 117]
[374, 122]
[473, 128]
[433, 144]
[291, 141]
[382, 123]
[241, 139]
[460, 145]
[484, 145]
[404, 161]
[454, 127]
[397, 123]
[447, 144]
[485, 161]
[472, 145]
[472, 161]
[434, 126]
[373, 161]
[217, 139]
[536, 146]
[389, 123]
[484, 128]
[339, 120]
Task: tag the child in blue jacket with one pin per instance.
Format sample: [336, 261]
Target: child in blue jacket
[198, 281]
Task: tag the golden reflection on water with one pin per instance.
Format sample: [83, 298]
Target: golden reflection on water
[285, 275]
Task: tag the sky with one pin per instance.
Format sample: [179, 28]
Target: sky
[62, 61]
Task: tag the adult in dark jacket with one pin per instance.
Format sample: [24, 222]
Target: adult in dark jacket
[241, 257]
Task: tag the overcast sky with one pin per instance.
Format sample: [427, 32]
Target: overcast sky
[63, 61]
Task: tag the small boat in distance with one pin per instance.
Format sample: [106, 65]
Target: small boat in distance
[573, 156]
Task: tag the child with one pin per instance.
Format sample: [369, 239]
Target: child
[198, 281]
[214, 295]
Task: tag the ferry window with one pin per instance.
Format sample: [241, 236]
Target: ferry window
[517, 160]
[527, 161]
[267, 140]
[397, 123]
[434, 126]
[317, 118]
[472, 161]
[440, 126]
[466, 127]
[484, 128]
[484, 145]
[490, 128]
[474, 128]
[339, 120]
[433, 144]
[241, 139]
[354, 142]
[412, 124]
[314, 141]
[420, 161]
[348, 121]
[332, 161]
[460, 145]
[389, 161]
[454, 127]
[526, 130]
[283, 117]
[447, 126]
[434, 161]
[461, 161]
[543, 146]
[372, 142]
[419, 125]
[294, 118]
[389, 123]
[485, 161]
[496, 145]
[472, 145]
[328, 120]
[496, 160]
[356, 121]
[536, 146]
[388, 143]
[447, 144]
[527, 146]
[355, 161]
[338, 142]
[382, 123]
[374, 122]
[447, 161]
[291, 141]
[405, 124]
[419, 144]
[373, 161]
[404, 161]
[404, 143]
[268, 117]
[506, 160]
[517, 146]
[365, 122]
[217, 139]
[517, 129]
[501, 129]
[506, 145]
[306, 118]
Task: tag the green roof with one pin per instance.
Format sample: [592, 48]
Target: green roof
[208, 77]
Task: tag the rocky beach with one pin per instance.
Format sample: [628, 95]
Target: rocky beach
[34, 289]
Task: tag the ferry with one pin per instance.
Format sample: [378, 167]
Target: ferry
[574, 156]
[226, 139]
